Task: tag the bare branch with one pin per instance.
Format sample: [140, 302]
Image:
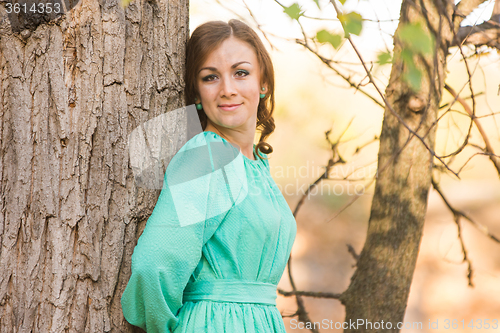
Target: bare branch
[466, 259]
[359, 148]
[487, 33]
[457, 215]
[352, 252]
[353, 200]
[478, 226]
[464, 8]
[318, 294]
[329, 62]
[335, 159]
[264, 33]
[495, 15]
[489, 148]
[258, 25]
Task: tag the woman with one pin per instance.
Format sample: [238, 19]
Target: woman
[218, 240]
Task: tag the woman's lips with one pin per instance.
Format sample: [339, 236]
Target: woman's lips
[229, 107]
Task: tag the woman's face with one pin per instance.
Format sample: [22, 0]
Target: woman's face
[229, 85]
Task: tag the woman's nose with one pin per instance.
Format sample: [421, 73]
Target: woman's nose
[228, 87]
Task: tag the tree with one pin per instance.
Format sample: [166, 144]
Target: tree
[386, 264]
[73, 87]
[427, 30]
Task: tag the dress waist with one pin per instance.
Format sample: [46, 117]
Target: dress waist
[228, 290]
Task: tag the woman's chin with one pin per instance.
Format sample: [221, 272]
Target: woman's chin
[231, 124]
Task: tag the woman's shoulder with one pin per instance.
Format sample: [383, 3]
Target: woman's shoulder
[202, 171]
[203, 153]
[201, 140]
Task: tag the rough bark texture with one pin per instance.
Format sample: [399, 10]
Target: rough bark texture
[71, 90]
[380, 286]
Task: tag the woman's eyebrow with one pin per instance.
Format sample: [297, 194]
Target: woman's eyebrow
[213, 69]
[239, 63]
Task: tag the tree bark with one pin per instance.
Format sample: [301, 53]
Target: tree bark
[380, 286]
[72, 88]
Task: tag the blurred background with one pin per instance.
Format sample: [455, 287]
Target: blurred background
[311, 99]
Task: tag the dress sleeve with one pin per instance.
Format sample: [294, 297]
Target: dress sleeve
[201, 184]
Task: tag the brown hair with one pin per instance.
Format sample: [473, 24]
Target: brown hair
[205, 39]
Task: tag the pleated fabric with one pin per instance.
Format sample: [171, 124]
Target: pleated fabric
[225, 317]
[215, 246]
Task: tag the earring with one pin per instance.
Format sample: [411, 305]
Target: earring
[198, 106]
[263, 95]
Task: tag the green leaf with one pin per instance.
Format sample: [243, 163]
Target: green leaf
[413, 76]
[125, 3]
[416, 38]
[342, 1]
[384, 58]
[352, 23]
[317, 3]
[407, 55]
[294, 11]
[324, 36]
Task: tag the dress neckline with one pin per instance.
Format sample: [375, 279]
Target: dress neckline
[255, 161]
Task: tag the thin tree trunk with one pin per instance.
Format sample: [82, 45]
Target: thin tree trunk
[380, 286]
[71, 91]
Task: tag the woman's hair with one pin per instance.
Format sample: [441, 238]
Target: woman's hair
[205, 39]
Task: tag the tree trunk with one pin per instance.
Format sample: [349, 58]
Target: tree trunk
[72, 88]
[380, 286]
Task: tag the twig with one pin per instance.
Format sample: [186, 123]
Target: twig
[353, 200]
[301, 311]
[466, 259]
[358, 149]
[469, 74]
[489, 148]
[328, 62]
[351, 250]
[331, 162]
[456, 216]
[314, 294]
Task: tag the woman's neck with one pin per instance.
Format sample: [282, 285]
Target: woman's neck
[244, 140]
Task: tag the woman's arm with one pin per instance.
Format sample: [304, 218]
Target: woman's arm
[195, 198]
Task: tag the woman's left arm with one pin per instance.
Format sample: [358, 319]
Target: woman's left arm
[193, 202]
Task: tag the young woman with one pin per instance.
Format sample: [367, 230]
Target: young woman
[219, 238]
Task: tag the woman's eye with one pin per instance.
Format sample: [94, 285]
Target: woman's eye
[242, 72]
[209, 77]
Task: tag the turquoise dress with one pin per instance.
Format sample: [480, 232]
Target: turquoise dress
[215, 247]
